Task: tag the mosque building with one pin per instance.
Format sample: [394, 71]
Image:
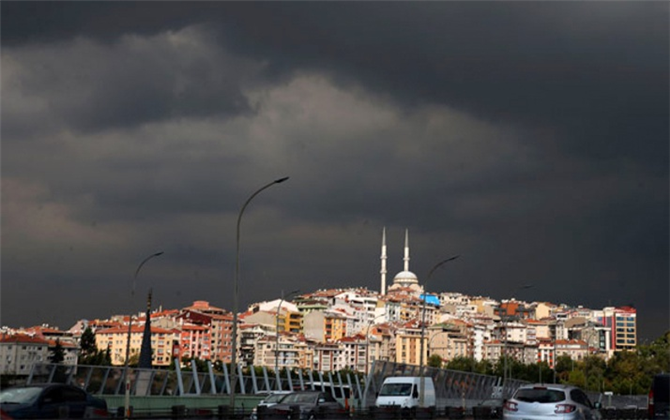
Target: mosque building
[404, 280]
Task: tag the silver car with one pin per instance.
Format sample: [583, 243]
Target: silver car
[550, 401]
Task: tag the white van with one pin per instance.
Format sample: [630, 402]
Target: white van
[404, 391]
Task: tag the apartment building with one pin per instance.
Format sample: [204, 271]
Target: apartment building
[164, 344]
[447, 341]
[18, 353]
[408, 344]
[622, 322]
[324, 326]
[354, 352]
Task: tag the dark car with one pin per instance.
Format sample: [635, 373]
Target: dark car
[659, 396]
[306, 405]
[50, 401]
[489, 409]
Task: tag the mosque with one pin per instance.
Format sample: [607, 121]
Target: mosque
[405, 279]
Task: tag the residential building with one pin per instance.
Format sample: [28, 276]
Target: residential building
[18, 353]
[164, 344]
[622, 322]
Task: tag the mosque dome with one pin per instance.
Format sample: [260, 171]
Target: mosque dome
[405, 278]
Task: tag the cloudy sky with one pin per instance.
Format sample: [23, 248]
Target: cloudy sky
[530, 138]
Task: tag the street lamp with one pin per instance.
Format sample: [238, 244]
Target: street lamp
[504, 321]
[423, 322]
[367, 342]
[233, 356]
[293, 293]
[130, 323]
[430, 341]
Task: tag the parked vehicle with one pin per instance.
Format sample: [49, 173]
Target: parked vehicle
[270, 400]
[659, 396]
[306, 405]
[404, 391]
[550, 401]
[51, 401]
[493, 408]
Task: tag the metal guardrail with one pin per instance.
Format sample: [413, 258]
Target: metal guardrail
[453, 388]
[110, 380]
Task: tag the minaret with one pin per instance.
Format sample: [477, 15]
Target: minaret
[383, 258]
[406, 259]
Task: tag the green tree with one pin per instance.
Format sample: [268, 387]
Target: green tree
[87, 343]
[89, 352]
[57, 353]
[461, 363]
[435, 361]
[564, 365]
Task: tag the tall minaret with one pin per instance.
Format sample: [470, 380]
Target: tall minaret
[383, 258]
[406, 259]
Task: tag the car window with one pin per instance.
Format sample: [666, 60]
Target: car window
[73, 395]
[579, 397]
[26, 395]
[274, 398]
[661, 388]
[541, 395]
[300, 398]
[52, 396]
[390, 390]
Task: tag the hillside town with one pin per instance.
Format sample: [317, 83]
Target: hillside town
[335, 329]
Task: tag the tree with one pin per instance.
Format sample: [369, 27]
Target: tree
[87, 343]
[564, 365]
[435, 361]
[461, 363]
[57, 353]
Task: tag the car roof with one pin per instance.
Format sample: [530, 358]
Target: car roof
[563, 387]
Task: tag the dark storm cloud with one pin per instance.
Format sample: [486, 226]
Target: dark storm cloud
[543, 63]
[132, 80]
[529, 137]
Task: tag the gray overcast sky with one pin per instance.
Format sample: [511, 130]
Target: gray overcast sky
[531, 138]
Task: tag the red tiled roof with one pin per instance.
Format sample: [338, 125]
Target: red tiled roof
[22, 338]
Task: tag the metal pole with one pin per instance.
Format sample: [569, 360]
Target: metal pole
[504, 319]
[277, 331]
[367, 343]
[423, 325]
[233, 356]
[126, 410]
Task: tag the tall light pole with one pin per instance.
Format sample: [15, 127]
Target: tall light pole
[367, 342]
[430, 341]
[504, 321]
[130, 323]
[423, 324]
[233, 356]
[293, 293]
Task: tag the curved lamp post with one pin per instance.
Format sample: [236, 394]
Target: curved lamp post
[367, 352]
[233, 356]
[367, 343]
[423, 323]
[430, 341]
[130, 323]
[293, 293]
[504, 321]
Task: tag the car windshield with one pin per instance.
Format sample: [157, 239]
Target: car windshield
[274, 398]
[20, 395]
[540, 395]
[391, 390]
[300, 398]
